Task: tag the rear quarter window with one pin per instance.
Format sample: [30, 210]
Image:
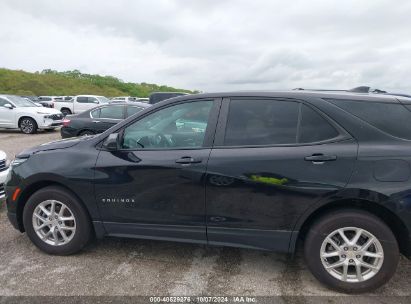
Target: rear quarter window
[391, 117]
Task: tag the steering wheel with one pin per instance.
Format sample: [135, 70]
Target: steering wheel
[159, 140]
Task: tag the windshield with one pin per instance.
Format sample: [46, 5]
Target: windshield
[103, 99]
[20, 102]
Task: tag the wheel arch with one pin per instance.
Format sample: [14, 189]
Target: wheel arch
[393, 221]
[32, 188]
[65, 108]
[26, 116]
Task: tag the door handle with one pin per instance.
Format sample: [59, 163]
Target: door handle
[320, 158]
[96, 121]
[188, 160]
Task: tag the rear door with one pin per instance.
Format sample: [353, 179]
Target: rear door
[106, 117]
[272, 159]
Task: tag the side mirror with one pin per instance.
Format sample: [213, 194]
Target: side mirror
[8, 106]
[96, 101]
[111, 142]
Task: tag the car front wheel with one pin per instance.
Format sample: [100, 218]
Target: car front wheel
[56, 222]
[28, 125]
[351, 251]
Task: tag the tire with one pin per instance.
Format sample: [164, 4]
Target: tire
[66, 112]
[317, 243]
[28, 125]
[76, 239]
[86, 132]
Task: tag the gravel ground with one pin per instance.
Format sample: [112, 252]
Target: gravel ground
[121, 267]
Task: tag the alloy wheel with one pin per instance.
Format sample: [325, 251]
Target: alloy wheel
[54, 223]
[352, 254]
[27, 126]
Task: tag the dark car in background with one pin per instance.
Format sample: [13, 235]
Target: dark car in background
[160, 96]
[99, 119]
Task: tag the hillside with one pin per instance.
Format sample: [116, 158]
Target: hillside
[50, 82]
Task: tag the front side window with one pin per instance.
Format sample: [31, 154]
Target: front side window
[92, 100]
[179, 126]
[3, 102]
[115, 112]
[82, 99]
[261, 122]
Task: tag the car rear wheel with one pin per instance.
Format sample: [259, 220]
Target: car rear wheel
[56, 222]
[28, 125]
[351, 251]
[86, 132]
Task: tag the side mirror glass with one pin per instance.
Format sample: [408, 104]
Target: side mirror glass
[8, 106]
[96, 101]
[111, 142]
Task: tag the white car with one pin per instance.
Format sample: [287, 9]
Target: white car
[80, 103]
[4, 170]
[17, 112]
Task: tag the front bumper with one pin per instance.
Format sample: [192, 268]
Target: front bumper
[13, 220]
[49, 123]
[3, 175]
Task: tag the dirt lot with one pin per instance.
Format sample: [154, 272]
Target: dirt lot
[139, 267]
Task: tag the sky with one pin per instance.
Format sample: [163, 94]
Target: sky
[215, 45]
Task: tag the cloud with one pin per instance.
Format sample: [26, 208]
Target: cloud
[215, 45]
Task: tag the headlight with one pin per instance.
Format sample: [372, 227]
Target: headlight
[18, 161]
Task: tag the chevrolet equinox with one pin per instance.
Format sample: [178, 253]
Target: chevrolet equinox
[263, 170]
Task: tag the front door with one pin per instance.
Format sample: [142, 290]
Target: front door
[154, 185]
[272, 159]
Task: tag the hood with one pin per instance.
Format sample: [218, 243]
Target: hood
[53, 145]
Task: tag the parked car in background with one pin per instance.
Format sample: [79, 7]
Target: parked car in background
[4, 170]
[99, 119]
[80, 104]
[159, 96]
[17, 112]
[262, 170]
[48, 101]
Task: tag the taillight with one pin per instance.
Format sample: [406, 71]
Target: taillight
[66, 122]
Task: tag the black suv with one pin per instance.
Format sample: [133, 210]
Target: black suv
[249, 169]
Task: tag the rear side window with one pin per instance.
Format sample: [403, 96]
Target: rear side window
[261, 122]
[391, 118]
[254, 122]
[133, 110]
[313, 127]
[115, 112]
